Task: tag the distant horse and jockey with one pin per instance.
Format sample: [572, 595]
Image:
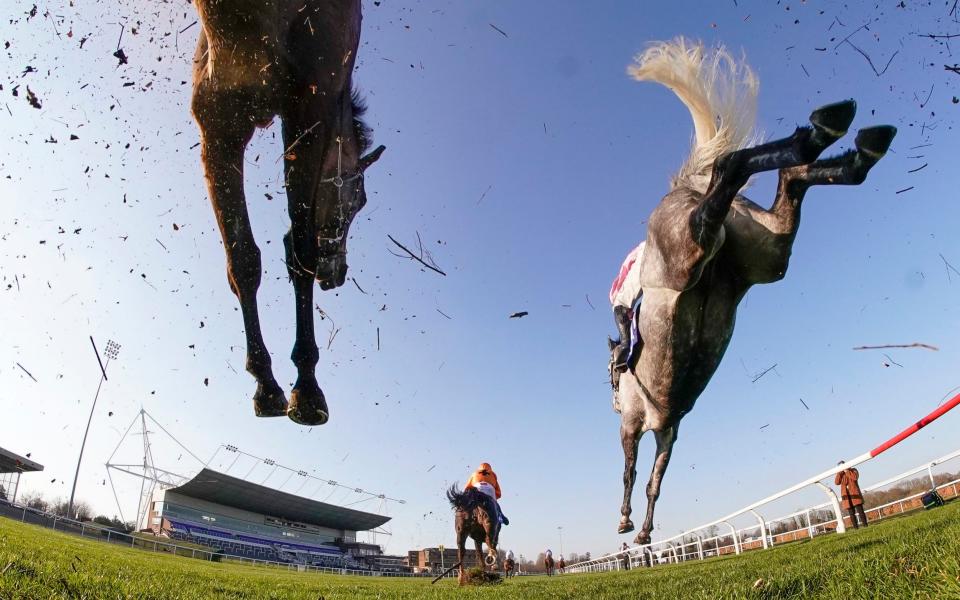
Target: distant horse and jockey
[476, 518]
[548, 564]
[707, 244]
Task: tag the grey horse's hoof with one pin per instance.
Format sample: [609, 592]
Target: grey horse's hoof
[833, 120]
[875, 141]
[308, 406]
[626, 526]
[642, 538]
[269, 401]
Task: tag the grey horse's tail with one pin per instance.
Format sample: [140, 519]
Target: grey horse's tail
[720, 93]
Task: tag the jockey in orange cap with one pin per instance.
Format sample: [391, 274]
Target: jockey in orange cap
[485, 480]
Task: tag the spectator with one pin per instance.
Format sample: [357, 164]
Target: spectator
[850, 492]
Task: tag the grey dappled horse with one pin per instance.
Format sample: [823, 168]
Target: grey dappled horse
[257, 59]
[707, 243]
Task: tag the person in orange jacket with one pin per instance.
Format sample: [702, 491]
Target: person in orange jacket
[851, 495]
[485, 480]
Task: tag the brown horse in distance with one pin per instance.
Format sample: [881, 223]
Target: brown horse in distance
[255, 60]
[509, 568]
[707, 244]
[476, 518]
[548, 564]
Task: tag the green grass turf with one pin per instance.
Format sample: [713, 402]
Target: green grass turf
[915, 556]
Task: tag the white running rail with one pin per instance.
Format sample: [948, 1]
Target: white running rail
[673, 549]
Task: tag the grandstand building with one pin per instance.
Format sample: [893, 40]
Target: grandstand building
[248, 520]
[12, 465]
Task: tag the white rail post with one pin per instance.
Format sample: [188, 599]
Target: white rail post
[763, 529]
[933, 484]
[841, 528]
[700, 547]
[810, 530]
[736, 541]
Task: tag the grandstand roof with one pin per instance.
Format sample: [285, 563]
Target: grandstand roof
[14, 463]
[220, 488]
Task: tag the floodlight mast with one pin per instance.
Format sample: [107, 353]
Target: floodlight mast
[111, 352]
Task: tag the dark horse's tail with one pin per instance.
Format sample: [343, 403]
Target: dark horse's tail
[468, 499]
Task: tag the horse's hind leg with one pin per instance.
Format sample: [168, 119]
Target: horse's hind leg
[761, 241]
[226, 119]
[732, 170]
[461, 550]
[308, 406]
[665, 440]
[479, 545]
[852, 167]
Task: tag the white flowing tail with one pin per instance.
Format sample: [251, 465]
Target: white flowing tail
[720, 93]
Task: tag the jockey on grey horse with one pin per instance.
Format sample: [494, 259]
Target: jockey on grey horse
[707, 244]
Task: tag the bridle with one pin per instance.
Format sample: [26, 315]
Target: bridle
[329, 246]
[338, 181]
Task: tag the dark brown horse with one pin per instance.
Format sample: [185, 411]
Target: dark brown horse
[476, 518]
[548, 564]
[258, 59]
[707, 244]
[509, 566]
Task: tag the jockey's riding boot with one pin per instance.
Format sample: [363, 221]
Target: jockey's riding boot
[503, 517]
[621, 353]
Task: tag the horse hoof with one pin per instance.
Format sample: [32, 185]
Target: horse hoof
[875, 141]
[834, 119]
[642, 538]
[308, 406]
[269, 401]
[625, 526]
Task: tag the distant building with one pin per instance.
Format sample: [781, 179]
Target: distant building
[373, 557]
[429, 560]
[11, 466]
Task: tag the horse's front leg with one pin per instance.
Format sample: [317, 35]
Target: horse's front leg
[225, 129]
[665, 440]
[308, 406]
[630, 433]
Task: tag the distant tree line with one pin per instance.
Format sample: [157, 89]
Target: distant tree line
[907, 488]
[81, 511]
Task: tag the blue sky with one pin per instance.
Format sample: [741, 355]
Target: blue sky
[528, 164]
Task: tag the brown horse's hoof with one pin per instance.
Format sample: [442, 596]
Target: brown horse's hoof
[642, 538]
[269, 401]
[308, 406]
[626, 526]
